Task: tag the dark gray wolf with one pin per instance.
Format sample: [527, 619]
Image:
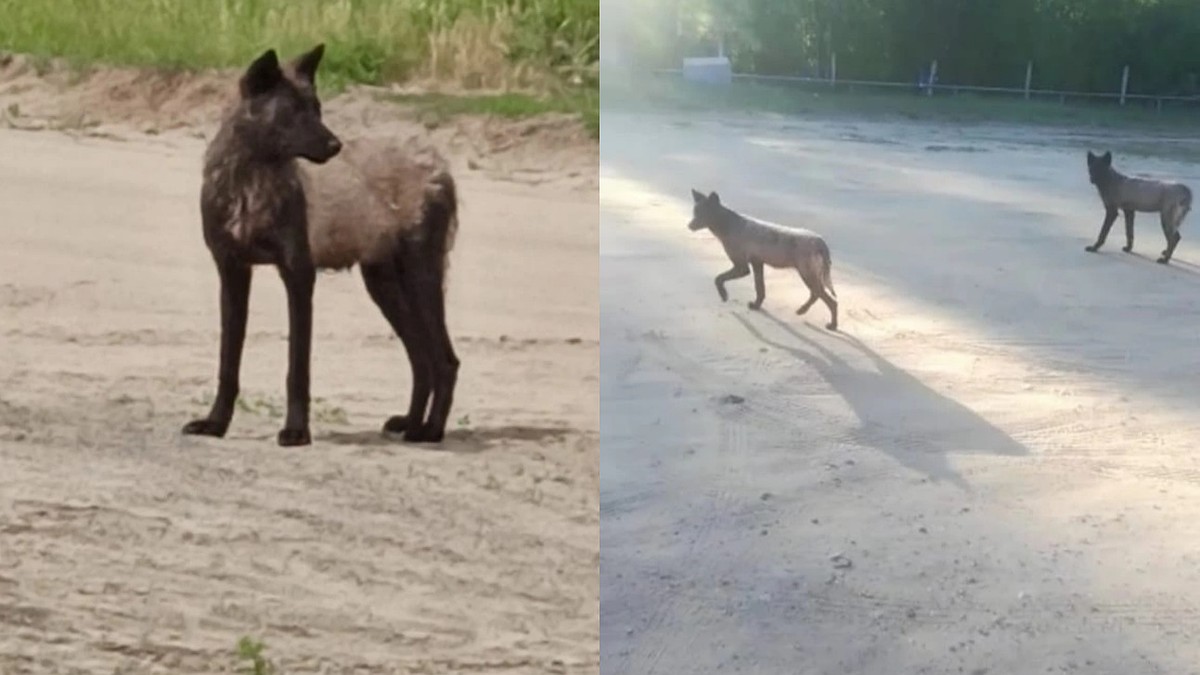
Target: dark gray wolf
[1119, 192]
[752, 243]
[389, 208]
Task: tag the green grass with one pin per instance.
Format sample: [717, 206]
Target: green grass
[369, 41]
[250, 652]
[819, 101]
[437, 108]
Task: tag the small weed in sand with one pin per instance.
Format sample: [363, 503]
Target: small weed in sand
[250, 652]
[464, 421]
[257, 405]
[327, 413]
[321, 409]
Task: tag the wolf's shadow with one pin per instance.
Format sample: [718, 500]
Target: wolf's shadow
[898, 414]
[463, 441]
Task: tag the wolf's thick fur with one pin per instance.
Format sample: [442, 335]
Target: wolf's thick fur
[1119, 192]
[373, 192]
[389, 207]
[752, 243]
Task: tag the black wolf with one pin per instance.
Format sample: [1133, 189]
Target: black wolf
[752, 243]
[1130, 195]
[390, 209]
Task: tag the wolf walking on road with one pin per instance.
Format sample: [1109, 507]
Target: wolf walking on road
[389, 208]
[751, 243]
[1119, 192]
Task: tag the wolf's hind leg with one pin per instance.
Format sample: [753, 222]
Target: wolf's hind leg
[425, 291]
[739, 270]
[1129, 215]
[383, 285]
[818, 292]
[1110, 216]
[1170, 226]
[813, 284]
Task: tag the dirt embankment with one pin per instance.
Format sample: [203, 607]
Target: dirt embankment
[121, 102]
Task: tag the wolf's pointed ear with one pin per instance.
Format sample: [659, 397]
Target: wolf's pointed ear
[714, 197]
[306, 64]
[1091, 158]
[262, 75]
[1107, 158]
[696, 196]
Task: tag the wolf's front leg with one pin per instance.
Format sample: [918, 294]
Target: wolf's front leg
[235, 302]
[1129, 215]
[738, 271]
[760, 287]
[299, 279]
[1110, 216]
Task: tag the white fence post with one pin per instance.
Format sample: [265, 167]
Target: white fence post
[932, 77]
[1124, 83]
[1028, 78]
[833, 69]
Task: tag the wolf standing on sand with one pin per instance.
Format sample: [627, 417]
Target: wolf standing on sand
[752, 243]
[1130, 195]
[388, 208]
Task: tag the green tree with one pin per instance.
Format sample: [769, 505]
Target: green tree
[1074, 44]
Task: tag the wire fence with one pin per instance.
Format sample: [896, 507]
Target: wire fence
[931, 87]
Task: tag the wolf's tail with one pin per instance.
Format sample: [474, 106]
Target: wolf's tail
[1176, 210]
[441, 218]
[826, 267]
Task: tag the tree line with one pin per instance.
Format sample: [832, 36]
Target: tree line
[1078, 45]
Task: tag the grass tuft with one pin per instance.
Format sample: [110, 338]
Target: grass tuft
[250, 651]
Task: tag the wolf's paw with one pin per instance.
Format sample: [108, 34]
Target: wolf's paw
[801, 311]
[424, 434]
[1091, 249]
[832, 326]
[396, 424]
[754, 305]
[1163, 260]
[1127, 249]
[293, 437]
[205, 427]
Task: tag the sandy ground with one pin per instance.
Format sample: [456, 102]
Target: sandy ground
[993, 469]
[126, 548]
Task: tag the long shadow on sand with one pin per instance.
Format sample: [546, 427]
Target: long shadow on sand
[898, 414]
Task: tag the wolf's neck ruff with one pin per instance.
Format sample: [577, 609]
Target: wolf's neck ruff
[1109, 177]
[728, 220]
[247, 190]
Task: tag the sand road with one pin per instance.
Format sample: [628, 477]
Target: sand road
[127, 548]
[994, 469]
